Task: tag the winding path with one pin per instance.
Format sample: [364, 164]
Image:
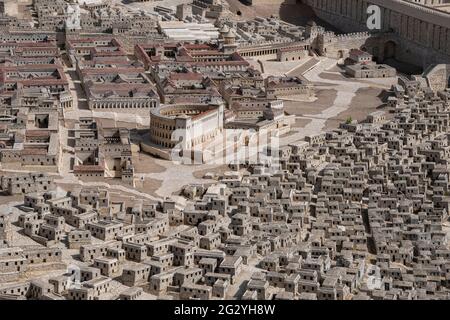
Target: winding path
[346, 91]
[175, 176]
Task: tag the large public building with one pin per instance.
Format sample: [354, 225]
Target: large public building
[183, 127]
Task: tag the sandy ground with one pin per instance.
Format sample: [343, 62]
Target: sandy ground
[148, 185]
[277, 68]
[300, 123]
[144, 163]
[218, 170]
[175, 176]
[366, 101]
[325, 98]
[338, 98]
[302, 68]
[6, 199]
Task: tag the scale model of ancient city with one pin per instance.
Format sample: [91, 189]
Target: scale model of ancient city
[224, 149]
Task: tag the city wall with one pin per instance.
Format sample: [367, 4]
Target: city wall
[412, 33]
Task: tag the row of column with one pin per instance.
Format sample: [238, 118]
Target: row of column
[259, 53]
[124, 105]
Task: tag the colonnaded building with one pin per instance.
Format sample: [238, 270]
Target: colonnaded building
[410, 31]
[183, 127]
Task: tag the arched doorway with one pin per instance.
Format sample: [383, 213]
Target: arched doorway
[390, 50]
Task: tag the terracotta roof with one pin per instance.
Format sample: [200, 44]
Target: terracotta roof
[88, 168]
[37, 133]
[185, 76]
[29, 44]
[33, 151]
[87, 71]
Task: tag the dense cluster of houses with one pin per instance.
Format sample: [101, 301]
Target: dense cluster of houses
[359, 212]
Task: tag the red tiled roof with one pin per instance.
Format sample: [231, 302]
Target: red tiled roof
[33, 151]
[88, 168]
[185, 76]
[37, 133]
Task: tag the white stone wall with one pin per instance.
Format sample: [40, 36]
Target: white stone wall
[422, 34]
